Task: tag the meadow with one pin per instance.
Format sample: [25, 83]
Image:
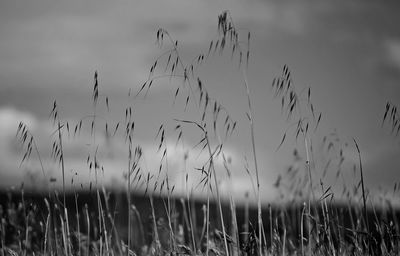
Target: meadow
[313, 220]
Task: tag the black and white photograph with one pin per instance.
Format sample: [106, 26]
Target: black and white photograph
[199, 127]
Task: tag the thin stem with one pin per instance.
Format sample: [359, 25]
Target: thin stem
[129, 198]
[253, 143]
[62, 161]
[218, 197]
[363, 191]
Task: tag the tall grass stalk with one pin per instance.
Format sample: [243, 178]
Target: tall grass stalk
[218, 194]
[189, 216]
[62, 160]
[88, 230]
[129, 196]
[111, 220]
[155, 229]
[302, 229]
[363, 195]
[234, 230]
[173, 246]
[78, 228]
[253, 143]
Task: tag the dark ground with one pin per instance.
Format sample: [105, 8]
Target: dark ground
[343, 218]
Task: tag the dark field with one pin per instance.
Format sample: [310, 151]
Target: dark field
[24, 228]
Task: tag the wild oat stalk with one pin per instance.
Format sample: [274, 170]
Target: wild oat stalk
[25, 135]
[57, 150]
[363, 192]
[165, 183]
[175, 64]
[228, 32]
[211, 173]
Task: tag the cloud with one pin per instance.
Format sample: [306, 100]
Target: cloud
[393, 52]
[112, 155]
[9, 120]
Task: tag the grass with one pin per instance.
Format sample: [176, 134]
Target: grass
[102, 223]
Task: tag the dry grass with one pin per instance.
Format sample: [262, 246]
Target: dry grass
[312, 224]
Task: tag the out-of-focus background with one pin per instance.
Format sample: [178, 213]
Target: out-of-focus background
[347, 52]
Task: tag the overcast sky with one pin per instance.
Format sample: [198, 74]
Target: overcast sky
[347, 52]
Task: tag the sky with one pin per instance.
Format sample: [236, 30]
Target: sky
[348, 53]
